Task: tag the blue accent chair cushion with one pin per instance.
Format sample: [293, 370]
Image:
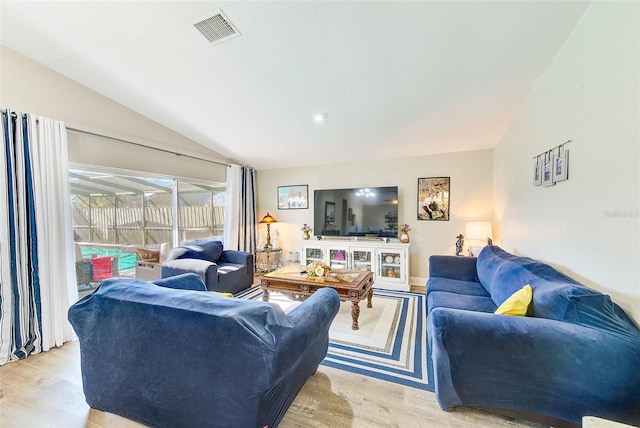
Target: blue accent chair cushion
[224, 271]
[171, 357]
[576, 353]
[211, 250]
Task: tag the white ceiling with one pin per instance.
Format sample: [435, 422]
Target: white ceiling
[395, 78]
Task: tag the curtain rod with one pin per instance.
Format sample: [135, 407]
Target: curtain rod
[145, 146]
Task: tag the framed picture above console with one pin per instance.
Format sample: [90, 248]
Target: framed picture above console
[433, 198]
[293, 197]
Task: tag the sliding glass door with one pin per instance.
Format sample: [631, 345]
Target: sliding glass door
[201, 210]
[115, 212]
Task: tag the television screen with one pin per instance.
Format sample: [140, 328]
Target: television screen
[359, 212]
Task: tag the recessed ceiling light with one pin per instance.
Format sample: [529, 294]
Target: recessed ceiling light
[319, 117]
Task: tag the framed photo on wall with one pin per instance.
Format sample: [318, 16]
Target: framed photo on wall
[560, 165]
[547, 169]
[293, 197]
[537, 171]
[433, 198]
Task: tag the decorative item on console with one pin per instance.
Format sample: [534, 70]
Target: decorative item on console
[404, 230]
[305, 231]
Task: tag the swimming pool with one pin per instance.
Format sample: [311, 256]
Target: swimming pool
[125, 260]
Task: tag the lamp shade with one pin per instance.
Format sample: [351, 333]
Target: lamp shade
[478, 230]
[268, 219]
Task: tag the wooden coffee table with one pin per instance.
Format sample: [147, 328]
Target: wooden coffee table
[351, 285]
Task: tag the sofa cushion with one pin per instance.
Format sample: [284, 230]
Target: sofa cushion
[470, 288]
[517, 304]
[442, 299]
[186, 281]
[501, 273]
[201, 240]
[462, 268]
[578, 304]
[210, 251]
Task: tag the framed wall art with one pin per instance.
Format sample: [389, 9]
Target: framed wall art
[433, 198]
[293, 197]
[547, 169]
[551, 166]
[560, 164]
[537, 171]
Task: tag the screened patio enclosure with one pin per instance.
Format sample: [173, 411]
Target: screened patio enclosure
[113, 214]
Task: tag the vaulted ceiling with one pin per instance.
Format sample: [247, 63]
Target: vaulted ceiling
[393, 78]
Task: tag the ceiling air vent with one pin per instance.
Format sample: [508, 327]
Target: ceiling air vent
[217, 28]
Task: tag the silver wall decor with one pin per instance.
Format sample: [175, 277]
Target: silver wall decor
[551, 166]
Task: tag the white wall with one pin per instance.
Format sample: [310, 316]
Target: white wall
[30, 87]
[587, 226]
[471, 197]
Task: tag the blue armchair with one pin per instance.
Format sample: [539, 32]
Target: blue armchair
[225, 271]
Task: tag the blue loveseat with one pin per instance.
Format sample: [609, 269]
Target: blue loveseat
[575, 354]
[173, 357]
[221, 270]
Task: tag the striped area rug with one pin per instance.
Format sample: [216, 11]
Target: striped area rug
[391, 343]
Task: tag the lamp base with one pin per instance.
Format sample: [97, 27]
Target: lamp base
[474, 250]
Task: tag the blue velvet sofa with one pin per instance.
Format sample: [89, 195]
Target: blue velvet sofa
[169, 354]
[221, 270]
[576, 353]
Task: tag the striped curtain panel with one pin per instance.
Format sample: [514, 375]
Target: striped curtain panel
[240, 209]
[37, 277]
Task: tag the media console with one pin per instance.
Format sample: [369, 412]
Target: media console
[389, 261]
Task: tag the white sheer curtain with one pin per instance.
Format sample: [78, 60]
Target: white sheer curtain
[58, 288]
[240, 209]
[37, 276]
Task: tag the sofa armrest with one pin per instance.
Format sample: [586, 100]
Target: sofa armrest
[185, 281]
[537, 365]
[207, 271]
[238, 257]
[311, 321]
[453, 267]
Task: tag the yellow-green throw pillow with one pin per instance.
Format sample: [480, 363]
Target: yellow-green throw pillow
[223, 294]
[518, 303]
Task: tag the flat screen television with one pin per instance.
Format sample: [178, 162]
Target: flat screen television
[358, 212]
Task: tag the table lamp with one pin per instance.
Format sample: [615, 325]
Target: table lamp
[477, 232]
[268, 219]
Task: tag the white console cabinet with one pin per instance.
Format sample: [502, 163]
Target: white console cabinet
[389, 261]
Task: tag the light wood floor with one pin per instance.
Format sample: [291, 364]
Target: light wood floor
[45, 390]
